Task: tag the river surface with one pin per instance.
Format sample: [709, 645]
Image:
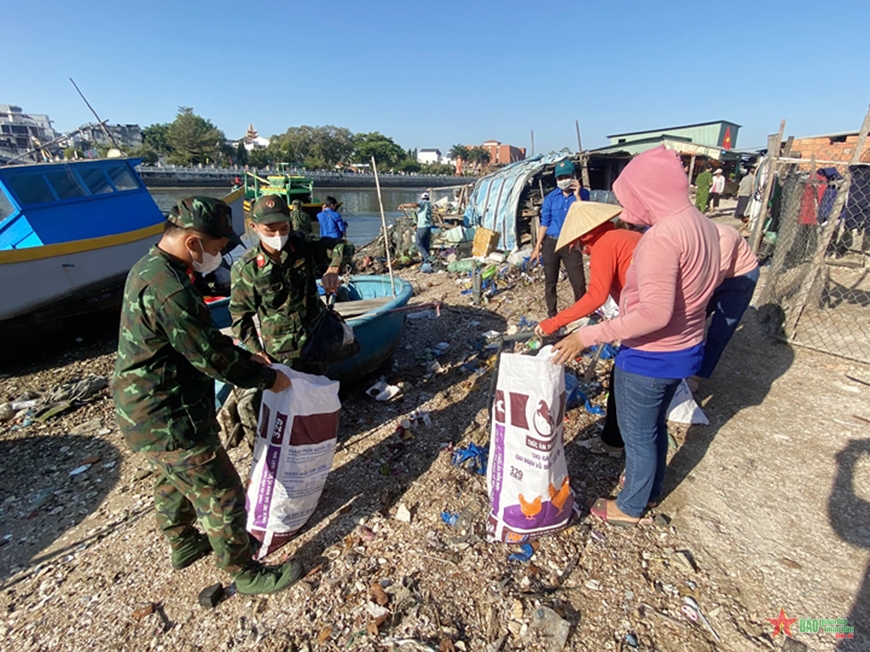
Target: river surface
[359, 206]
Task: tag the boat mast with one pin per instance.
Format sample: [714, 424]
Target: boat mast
[100, 122]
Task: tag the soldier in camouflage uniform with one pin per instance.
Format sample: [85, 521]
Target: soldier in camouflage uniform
[169, 352]
[300, 220]
[276, 281]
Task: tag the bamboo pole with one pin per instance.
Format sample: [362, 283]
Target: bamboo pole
[773, 159]
[584, 159]
[384, 225]
[101, 123]
[833, 222]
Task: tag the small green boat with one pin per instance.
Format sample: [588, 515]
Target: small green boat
[288, 186]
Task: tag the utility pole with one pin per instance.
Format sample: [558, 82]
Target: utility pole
[584, 163]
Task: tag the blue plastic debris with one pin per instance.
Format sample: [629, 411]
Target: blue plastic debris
[575, 396]
[526, 324]
[471, 457]
[607, 353]
[525, 555]
[450, 518]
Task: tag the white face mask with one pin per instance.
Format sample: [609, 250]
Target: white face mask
[210, 262]
[275, 242]
[563, 183]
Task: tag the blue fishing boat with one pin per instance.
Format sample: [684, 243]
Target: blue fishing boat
[370, 308]
[69, 233]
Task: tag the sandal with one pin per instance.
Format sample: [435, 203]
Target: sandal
[598, 447]
[599, 509]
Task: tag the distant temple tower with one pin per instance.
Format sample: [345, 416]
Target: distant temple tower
[251, 134]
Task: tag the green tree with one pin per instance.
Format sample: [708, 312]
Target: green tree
[459, 153]
[154, 136]
[410, 165]
[194, 139]
[479, 157]
[314, 147]
[387, 152]
[241, 154]
[147, 153]
[260, 158]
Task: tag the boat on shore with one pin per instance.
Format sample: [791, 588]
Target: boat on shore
[290, 187]
[371, 308]
[69, 234]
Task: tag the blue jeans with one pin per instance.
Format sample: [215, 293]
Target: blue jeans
[727, 305]
[642, 410]
[424, 240]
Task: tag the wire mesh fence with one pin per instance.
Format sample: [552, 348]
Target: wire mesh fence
[817, 292]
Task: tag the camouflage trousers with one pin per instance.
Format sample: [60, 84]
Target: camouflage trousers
[203, 485]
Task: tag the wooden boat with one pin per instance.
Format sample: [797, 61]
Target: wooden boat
[370, 307]
[69, 233]
[290, 187]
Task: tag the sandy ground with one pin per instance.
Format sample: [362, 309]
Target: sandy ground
[770, 505]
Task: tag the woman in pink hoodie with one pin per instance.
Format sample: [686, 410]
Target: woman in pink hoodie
[673, 274]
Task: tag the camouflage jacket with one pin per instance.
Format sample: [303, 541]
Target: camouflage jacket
[169, 352]
[301, 221]
[283, 295]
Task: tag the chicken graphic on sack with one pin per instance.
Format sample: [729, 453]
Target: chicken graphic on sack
[530, 509]
[558, 498]
[543, 420]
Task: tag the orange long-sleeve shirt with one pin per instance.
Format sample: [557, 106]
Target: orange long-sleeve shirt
[609, 258]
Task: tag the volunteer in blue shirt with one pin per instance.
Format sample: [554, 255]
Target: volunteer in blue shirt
[424, 224]
[553, 214]
[331, 224]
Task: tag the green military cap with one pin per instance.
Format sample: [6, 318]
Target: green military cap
[269, 209]
[206, 215]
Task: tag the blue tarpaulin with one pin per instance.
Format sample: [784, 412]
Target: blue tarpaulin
[494, 202]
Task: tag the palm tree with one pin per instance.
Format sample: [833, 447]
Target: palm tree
[459, 153]
[479, 156]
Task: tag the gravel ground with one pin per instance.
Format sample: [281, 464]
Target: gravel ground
[767, 508]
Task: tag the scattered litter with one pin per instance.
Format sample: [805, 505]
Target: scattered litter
[449, 518]
[690, 606]
[684, 409]
[685, 558]
[24, 405]
[595, 585]
[598, 536]
[549, 629]
[525, 554]
[421, 314]
[80, 469]
[143, 610]
[575, 396]
[403, 514]
[472, 458]
[631, 639]
[381, 391]
[211, 595]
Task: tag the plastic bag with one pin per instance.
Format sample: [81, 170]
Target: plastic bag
[684, 409]
[527, 478]
[330, 339]
[293, 451]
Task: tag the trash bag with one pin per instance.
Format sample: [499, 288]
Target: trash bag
[329, 340]
[684, 409]
[295, 444]
[527, 476]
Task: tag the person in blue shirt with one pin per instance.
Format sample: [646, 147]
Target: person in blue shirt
[553, 214]
[331, 223]
[424, 224]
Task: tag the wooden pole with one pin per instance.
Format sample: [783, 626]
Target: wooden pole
[584, 160]
[830, 228]
[773, 145]
[384, 225]
[100, 122]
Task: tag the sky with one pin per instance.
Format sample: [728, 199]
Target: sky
[434, 74]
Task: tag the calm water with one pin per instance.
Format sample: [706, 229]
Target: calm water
[359, 208]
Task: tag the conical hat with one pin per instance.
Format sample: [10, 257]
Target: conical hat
[583, 216]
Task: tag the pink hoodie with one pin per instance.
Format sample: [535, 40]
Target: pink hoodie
[676, 263]
[737, 258]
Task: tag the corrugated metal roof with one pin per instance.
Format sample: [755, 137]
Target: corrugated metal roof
[697, 124]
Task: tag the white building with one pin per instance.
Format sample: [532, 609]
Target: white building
[426, 156]
[20, 132]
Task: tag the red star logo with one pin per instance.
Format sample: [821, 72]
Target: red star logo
[782, 624]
